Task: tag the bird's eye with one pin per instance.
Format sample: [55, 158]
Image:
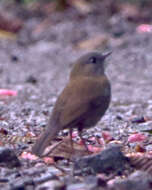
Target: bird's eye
[93, 60]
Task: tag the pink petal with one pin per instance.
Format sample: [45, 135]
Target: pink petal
[5, 92]
[144, 28]
[80, 142]
[48, 160]
[93, 139]
[149, 154]
[74, 134]
[106, 135]
[94, 149]
[101, 141]
[28, 156]
[136, 138]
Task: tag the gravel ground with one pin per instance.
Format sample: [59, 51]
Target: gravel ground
[42, 68]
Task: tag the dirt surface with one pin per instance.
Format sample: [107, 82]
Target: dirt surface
[40, 70]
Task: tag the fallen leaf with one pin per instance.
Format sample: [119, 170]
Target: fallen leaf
[139, 148]
[3, 131]
[130, 11]
[41, 27]
[30, 134]
[93, 43]
[9, 22]
[63, 149]
[81, 5]
[141, 161]
[136, 138]
[116, 142]
[7, 35]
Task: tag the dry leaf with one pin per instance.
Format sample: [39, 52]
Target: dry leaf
[3, 131]
[140, 148]
[7, 35]
[41, 27]
[130, 11]
[30, 134]
[117, 42]
[82, 6]
[10, 23]
[99, 41]
[63, 149]
[142, 161]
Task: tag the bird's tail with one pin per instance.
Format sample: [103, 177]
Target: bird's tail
[44, 139]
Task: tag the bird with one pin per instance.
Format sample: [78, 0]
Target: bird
[82, 102]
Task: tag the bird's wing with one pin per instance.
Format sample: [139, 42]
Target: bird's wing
[78, 98]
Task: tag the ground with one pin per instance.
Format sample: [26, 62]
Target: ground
[37, 66]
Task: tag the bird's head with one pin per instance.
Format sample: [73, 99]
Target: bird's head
[91, 64]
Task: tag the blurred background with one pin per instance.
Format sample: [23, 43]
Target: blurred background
[47, 35]
[32, 20]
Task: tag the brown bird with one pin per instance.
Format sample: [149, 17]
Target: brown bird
[82, 102]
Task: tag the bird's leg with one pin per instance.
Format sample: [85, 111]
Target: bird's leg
[83, 140]
[71, 141]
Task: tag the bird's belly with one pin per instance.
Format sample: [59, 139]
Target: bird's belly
[93, 118]
[94, 115]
